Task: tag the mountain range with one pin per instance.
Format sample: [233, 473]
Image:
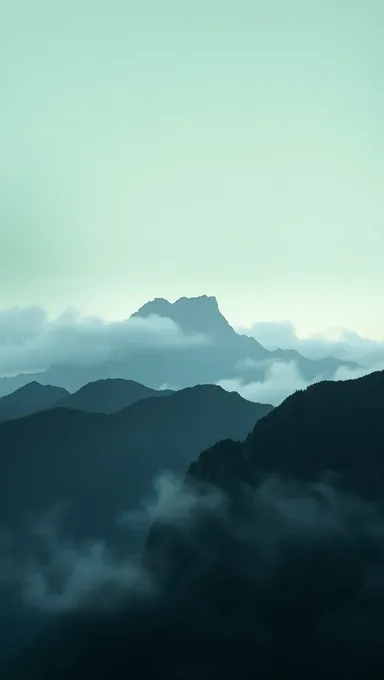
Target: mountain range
[94, 468]
[109, 395]
[222, 354]
[187, 531]
[29, 399]
[102, 396]
[276, 570]
[106, 462]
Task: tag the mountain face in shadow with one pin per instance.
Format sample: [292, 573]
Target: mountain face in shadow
[202, 315]
[92, 469]
[30, 399]
[109, 396]
[103, 396]
[224, 355]
[330, 428]
[276, 571]
[69, 456]
[193, 315]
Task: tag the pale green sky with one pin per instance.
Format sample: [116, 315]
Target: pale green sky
[180, 147]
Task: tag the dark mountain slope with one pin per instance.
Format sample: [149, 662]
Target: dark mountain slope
[100, 466]
[29, 399]
[109, 396]
[108, 461]
[283, 576]
[9, 384]
[331, 427]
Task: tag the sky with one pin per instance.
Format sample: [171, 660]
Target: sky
[169, 148]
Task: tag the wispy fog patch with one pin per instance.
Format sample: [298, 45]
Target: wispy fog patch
[249, 364]
[273, 334]
[82, 574]
[31, 341]
[169, 386]
[313, 509]
[345, 373]
[289, 561]
[57, 575]
[281, 380]
[172, 502]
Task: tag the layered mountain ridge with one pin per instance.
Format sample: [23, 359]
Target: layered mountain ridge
[226, 355]
[278, 569]
[93, 469]
[30, 398]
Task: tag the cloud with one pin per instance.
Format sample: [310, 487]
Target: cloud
[58, 575]
[289, 566]
[285, 565]
[273, 335]
[79, 575]
[31, 341]
[297, 567]
[173, 502]
[340, 343]
[249, 364]
[281, 380]
[345, 373]
[309, 512]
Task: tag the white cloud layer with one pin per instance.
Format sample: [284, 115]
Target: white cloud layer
[281, 380]
[341, 343]
[32, 341]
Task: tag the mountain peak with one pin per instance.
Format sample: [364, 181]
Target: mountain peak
[33, 387]
[200, 314]
[207, 301]
[29, 399]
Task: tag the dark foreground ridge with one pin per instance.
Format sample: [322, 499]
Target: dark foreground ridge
[275, 570]
[81, 473]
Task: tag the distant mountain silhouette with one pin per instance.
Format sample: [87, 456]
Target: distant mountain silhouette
[222, 357]
[225, 355]
[104, 465]
[284, 577]
[109, 396]
[193, 315]
[29, 399]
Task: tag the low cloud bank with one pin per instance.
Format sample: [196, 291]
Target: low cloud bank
[281, 380]
[32, 341]
[340, 343]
